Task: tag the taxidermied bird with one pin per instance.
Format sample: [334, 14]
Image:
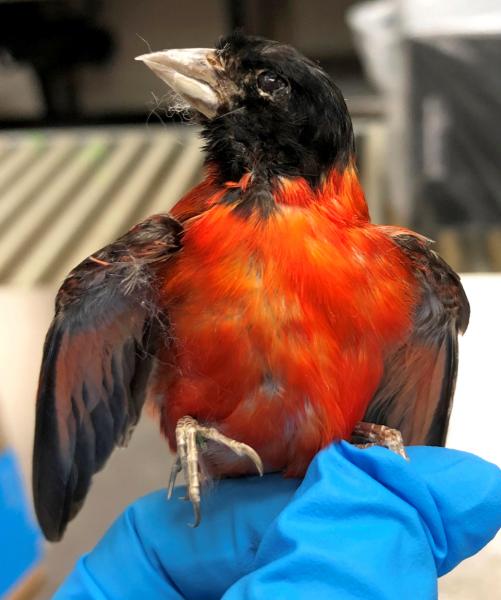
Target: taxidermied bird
[265, 316]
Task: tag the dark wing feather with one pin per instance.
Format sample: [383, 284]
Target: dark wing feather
[416, 393]
[95, 367]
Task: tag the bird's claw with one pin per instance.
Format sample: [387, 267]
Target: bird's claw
[189, 433]
[371, 434]
[176, 468]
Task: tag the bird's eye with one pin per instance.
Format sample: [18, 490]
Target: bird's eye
[269, 82]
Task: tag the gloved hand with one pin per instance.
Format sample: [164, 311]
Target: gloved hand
[363, 524]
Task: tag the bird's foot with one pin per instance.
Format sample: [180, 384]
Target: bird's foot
[366, 435]
[189, 435]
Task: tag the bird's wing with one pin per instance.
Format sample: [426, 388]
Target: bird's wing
[416, 392]
[95, 366]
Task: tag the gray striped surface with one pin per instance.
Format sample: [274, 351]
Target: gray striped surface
[65, 194]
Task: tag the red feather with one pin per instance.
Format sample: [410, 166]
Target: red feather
[282, 325]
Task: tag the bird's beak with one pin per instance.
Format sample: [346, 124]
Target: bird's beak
[194, 73]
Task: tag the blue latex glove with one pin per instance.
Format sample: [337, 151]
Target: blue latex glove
[363, 524]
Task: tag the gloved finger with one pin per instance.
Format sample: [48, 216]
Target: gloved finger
[367, 524]
[152, 552]
[358, 516]
[467, 495]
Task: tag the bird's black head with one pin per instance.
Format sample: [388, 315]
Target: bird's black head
[264, 108]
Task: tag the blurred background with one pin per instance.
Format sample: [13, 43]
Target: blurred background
[88, 146]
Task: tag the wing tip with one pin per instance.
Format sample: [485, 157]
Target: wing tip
[50, 521]
[52, 532]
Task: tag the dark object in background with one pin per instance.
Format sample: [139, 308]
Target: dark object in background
[55, 38]
[455, 130]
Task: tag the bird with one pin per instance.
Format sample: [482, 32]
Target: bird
[261, 319]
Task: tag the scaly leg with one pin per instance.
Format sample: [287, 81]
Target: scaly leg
[371, 434]
[188, 433]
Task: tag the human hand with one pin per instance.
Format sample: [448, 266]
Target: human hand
[362, 524]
